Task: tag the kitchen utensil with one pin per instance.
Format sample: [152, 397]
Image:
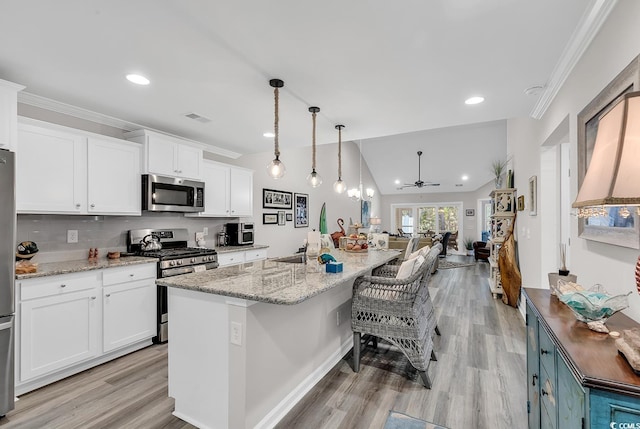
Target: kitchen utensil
[222, 239]
[150, 242]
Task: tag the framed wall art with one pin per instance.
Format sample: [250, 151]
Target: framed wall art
[272, 199]
[520, 203]
[281, 218]
[302, 210]
[612, 228]
[365, 213]
[533, 195]
[270, 218]
[470, 212]
[289, 217]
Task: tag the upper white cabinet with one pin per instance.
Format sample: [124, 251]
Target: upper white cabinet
[61, 170]
[9, 114]
[168, 156]
[228, 190]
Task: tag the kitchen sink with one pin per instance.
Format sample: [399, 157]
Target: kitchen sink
[295, 259]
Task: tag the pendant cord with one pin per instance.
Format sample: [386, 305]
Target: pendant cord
[313, 143]
[275, 124]
[339, 153]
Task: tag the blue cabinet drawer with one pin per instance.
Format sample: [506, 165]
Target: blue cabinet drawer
[609, 408]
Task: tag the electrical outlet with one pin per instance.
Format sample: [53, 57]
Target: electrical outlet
[72, 236]
[236, 333]
[205, 231]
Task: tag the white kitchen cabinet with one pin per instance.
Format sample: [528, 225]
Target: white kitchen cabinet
[71, 322]
[59, 319]
[129, 307]
[65, 171]
[227, 258]
[228, 191]
[51, 171]
[168, 156]
[114, 170]
[9, 114]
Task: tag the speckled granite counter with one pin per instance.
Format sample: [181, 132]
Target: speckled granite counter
[231, 249]
[279, 282]
[56, 268]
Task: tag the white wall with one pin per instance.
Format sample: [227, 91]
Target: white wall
[285, 240]
[617, 43]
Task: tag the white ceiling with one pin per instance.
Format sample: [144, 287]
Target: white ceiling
[395, 73]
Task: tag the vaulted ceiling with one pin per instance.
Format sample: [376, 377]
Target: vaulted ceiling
[395, 73]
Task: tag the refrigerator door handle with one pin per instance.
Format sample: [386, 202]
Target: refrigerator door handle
[4, 326]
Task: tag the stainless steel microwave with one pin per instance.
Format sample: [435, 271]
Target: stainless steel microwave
[171, 194]
[240, 233]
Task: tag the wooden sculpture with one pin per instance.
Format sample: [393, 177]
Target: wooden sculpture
[509, 272]
[335, 236]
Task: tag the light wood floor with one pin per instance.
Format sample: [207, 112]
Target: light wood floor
[478, 380]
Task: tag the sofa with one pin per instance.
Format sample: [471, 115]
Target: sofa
[400, 243]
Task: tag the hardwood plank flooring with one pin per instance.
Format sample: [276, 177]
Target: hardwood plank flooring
[478, 380]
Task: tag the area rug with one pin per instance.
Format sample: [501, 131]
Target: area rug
[398, 420]
[444, 264]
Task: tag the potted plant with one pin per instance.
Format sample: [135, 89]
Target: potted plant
[468, 244]
[563, 258]
[498, 168]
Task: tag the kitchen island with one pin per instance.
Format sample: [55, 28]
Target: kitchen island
[248, 341]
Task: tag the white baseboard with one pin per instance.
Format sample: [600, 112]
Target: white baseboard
[289, 401]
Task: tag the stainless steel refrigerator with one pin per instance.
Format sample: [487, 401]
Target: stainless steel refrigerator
[7, 276]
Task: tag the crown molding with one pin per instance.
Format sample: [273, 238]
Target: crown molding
[99, 118]
[589, 25]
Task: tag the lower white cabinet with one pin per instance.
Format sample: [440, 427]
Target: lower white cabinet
[129, 307]
[241, 256]
[68, 323]
[58, 331]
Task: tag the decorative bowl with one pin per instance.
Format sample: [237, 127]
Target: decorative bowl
[594, 304]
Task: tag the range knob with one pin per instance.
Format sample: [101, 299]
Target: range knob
[172, 263]
[212, 258]
[179, 262]
[193, 260]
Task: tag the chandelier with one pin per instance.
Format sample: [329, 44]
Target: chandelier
[359, 193]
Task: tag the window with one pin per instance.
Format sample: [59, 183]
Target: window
[427, 218]
[404, 219]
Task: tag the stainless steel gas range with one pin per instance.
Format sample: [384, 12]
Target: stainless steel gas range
[175, 258]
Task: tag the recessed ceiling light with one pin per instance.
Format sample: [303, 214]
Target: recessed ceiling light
[474, 100]
[268, 135]
[465, 177]
[137, 79]
[397, 182]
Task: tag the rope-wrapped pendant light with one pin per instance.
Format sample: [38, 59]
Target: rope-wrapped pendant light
[339, 186]
[314, 178]
[276, 168]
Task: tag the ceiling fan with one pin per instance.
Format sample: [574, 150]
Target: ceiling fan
[418, 183]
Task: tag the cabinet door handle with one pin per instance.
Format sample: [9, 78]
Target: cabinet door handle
[544, 392]
[108, 295]
[63, 285]
[93, 297]
[544, 352]
[77, 206]
[534, 378]
[131, 275]
[93, 206]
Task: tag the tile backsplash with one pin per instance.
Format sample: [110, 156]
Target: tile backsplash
[107, 233]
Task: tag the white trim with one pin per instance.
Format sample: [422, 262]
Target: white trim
[589, 25]
[289, 401]
[99, 118]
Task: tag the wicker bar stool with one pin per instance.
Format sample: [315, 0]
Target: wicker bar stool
[399, 311]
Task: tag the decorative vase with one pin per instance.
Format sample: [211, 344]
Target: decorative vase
[563, 272]
[498, 182]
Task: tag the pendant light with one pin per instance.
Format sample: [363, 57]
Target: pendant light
[339, 186]
[276, 168]
[314, 178]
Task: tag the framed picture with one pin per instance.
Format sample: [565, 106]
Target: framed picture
[521, 203]
[365, 213]
[281, 218]
[302, 210]
[612, 228]
[470, 212]
[289, 217]
[533, 195]
[270, 218]
[272, 199]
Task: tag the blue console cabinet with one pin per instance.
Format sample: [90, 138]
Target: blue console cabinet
[575, 376]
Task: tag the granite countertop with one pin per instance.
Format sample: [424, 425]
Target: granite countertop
[56, 268]
[231, 249]
[279, 282]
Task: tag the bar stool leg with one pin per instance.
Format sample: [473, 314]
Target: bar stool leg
[356, 352]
